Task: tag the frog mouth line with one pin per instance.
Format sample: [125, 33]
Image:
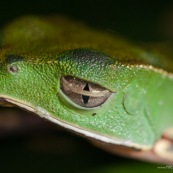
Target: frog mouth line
[4, 100]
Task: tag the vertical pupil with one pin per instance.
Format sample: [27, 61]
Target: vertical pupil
[84, 97]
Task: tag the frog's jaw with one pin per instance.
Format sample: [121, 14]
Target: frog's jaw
[124, 148]
[89, 134]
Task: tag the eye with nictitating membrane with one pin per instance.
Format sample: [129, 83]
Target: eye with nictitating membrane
[82, 93]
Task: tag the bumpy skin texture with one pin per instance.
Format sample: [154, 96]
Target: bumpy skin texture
[41, 50]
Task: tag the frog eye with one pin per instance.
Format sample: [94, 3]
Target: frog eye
[83, 93]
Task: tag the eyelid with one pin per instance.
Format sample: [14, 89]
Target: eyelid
[94, 93]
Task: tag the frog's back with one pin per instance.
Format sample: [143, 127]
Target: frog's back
[48, 36]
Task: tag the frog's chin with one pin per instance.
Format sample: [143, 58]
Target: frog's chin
[4, 100]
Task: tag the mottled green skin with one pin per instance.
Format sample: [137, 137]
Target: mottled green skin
[140, 107]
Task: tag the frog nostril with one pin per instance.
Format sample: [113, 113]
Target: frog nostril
[13, 68]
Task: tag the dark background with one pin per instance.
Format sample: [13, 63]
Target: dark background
[30, 144]
[142, 20]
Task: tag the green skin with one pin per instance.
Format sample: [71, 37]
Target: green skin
[36, 52]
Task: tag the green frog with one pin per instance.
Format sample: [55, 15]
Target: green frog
[98, 85]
